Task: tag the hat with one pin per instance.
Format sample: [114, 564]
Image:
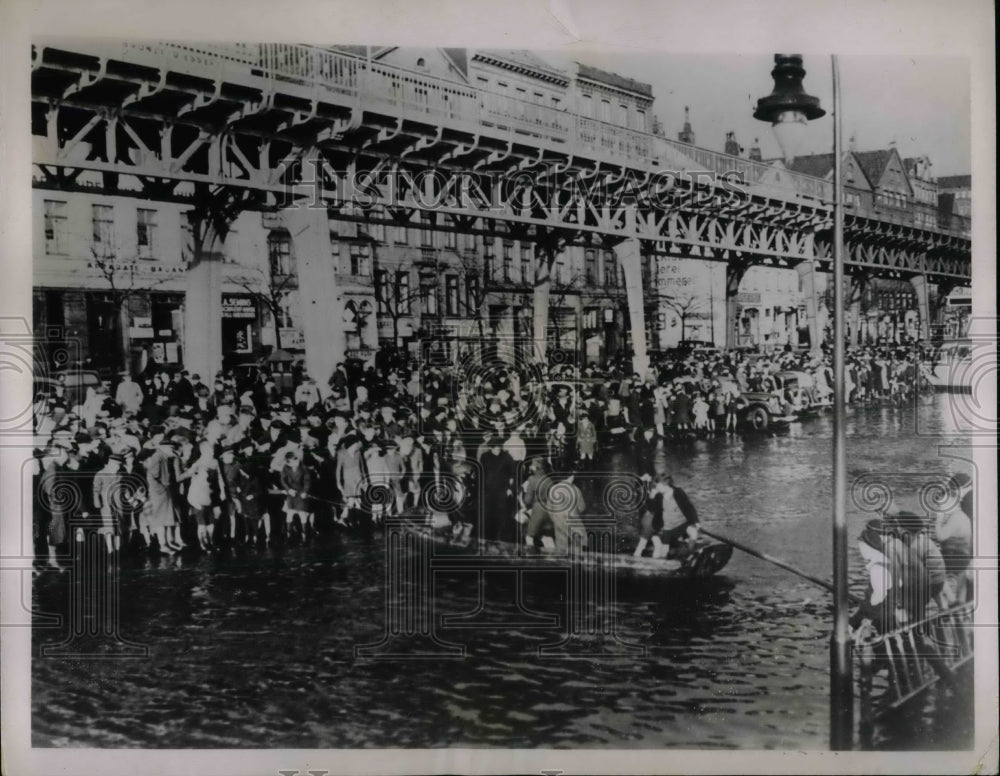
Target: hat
[906, 521]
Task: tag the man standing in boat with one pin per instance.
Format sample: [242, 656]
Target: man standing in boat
[666, 504]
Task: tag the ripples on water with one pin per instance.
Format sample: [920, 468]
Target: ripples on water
[258, 651]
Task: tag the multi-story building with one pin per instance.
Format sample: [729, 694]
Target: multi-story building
[956, 193]
[110, 272]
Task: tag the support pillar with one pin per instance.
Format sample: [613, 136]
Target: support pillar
[807, 283]
[320, 302]
[735, 270]
[919, 283]
[540, 305]
[859, 283]
[629, 256]
[203, 302]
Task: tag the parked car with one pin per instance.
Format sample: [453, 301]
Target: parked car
[761, 410]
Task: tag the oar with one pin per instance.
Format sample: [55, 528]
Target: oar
[776, 561]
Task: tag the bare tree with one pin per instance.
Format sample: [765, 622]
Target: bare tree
[270, 291]
[393, 300]
[685, 307]
[478, 286]
[126, 278]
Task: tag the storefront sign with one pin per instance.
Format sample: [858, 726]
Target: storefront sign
[238, 307]
[142, 323]
[748, 297]
[292, 339]
[140, 332]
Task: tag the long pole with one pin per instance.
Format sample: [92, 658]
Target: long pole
[841, 680]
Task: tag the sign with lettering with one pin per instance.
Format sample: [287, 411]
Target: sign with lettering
[238, 307]
[292, 339]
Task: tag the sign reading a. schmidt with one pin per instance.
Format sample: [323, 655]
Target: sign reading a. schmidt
[238, 307]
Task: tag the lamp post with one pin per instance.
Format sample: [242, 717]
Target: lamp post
[788, 108]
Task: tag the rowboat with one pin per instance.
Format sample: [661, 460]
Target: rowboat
[704, 559]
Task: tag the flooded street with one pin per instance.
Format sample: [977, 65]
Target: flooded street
[258, 650]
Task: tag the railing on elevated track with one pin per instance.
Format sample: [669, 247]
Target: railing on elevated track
[412, 94]
[898, 666]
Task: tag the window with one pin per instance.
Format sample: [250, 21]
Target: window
[427, 229]
[587, 106]
[375, 231]
[279, 252]
[428, 292]
[335, 249]
[610, 269]
[526, 264]
[399, 235]
[55, 226]
[590, 266]
[508, 261]
[605, 110]
[640, 120]
[421, 62]
[103, 217]
[361, 265]
[381, 289]
[472, 293]
[145, 232]
[561, 273]
[623, 115]
[451, 295]
[403, 292]
[450, 240]
[483, 82]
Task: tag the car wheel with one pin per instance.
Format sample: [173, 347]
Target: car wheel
[759, 418]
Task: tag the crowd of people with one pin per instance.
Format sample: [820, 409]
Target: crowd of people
[165, 462]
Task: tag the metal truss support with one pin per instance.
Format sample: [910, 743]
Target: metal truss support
[859, 284]
[320, 300]
[919, 283]
[540, 302]
[807, 282]
[210, 221]
[736, 268]
[630, 257]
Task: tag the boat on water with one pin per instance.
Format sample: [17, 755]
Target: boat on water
[705, 559]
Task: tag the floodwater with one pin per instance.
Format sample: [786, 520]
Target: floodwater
[258, 650]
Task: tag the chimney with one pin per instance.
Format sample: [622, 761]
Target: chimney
[732, 147]
[686, 135]
[755, 155]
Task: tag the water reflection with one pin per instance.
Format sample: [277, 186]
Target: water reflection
[258, 649]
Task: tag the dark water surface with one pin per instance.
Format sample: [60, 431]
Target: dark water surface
[258, 650]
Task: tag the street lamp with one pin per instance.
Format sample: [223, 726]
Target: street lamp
[788, 108]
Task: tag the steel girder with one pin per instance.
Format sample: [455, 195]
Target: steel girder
[213, 143]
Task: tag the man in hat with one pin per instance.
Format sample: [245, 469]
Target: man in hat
[108, 499]
[954, 533]
[498, 490]
[182, 391]
[667, 504]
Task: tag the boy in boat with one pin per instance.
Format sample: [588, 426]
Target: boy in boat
[666, 503]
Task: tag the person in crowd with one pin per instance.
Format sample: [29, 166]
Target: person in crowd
[129, 395]
[667, 504]
[498, 490]
[296, 482]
